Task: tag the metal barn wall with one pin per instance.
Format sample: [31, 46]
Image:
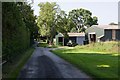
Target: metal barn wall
[80, 40]
[118, 34]
[107, 35]
[98, 31]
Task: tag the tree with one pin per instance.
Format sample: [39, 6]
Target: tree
[18, 22]
[82, 19]
[46, 19]
[62, 25]
[73, 30]
[29, 19]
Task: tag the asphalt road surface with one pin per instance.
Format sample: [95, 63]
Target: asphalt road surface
[44, 64]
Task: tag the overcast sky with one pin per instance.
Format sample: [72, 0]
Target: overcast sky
[106, 11]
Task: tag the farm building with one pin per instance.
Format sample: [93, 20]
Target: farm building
[74, 37]
[98, 33]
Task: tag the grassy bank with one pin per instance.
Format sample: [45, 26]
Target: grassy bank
[99, 60]
[11, 70]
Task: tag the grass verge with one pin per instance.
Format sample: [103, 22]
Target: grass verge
[11, 70]
[45, 45]
[92, 60]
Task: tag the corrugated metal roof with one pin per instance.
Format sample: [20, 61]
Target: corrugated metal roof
[107, 26]
[76, 34]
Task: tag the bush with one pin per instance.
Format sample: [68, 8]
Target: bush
[60, 44]
[15, 36]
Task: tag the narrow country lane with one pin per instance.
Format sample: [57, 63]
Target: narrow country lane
[40, 66]
[44, 64]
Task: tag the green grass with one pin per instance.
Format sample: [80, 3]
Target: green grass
[12, 70]
[95, 60]
[45, 45]
[109, 46]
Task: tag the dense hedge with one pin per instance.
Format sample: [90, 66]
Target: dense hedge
[15, 33]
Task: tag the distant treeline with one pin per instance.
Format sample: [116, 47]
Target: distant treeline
[18, 29]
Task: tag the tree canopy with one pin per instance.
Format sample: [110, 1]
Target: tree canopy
[82, 19]
[46, 19]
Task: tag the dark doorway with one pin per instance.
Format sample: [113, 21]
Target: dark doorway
[93, 37]
[73, 39]
[61, 41]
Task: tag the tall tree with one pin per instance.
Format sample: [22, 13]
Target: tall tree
[82, 19]
[46, 19]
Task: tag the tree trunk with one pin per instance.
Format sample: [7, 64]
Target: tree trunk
[47, 40]
[51, 41]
